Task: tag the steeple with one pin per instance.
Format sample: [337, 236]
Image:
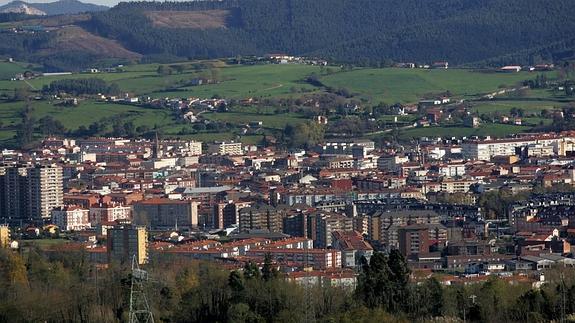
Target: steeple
[156, 149]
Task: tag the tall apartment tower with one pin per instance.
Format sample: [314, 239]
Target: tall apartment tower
[30, 192]
[125, 242]
[13, 193]
[45, 190]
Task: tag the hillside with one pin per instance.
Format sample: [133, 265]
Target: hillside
[22, 8]
[369, 31]
[281, 97]
[61, 7]
[366, 32]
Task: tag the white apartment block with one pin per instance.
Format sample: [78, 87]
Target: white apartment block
[226, 148]
[109, 213]
[70, 218]
[452, 170]
[45, 190]
[486, 149]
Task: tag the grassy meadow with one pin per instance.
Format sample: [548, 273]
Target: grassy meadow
[370, 85]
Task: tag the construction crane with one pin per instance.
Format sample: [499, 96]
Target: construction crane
[139, 308]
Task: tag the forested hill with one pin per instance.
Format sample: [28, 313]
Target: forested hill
[372, 31]
[358, 31]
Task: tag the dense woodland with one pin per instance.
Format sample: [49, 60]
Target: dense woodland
[37, 285]
[367, 32]
[81, 87]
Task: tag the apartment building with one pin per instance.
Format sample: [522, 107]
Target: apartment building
[4, 236]
[225, 215]
[316, 258]
[125, 242]
[352, 246]
[71, 218]
[226, 148]
[328, 223]
[163, 213]
[414, 240]
[384, 226]
[109, 213]
[486, 149]
[261, 217]
[31, 192]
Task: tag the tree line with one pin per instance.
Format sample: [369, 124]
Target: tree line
[82, 86]
[64, 286]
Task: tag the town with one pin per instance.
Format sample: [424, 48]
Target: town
[469, 208]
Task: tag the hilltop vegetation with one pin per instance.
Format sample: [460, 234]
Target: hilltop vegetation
[367, 32]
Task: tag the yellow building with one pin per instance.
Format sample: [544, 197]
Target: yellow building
[125, 242]
[4, 236]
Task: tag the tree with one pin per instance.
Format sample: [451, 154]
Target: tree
[50, 126]
[164, 70]
[399, 277]
[251, 270]
[373, 281]
[12, 269]
[268, 271]
[21, 93]
[25, 134]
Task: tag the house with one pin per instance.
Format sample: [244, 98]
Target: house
[255, 124]
[406, 65]
[443, 65]
[321, 120]
[426, 103]
[472, 122]
[543, 67]
[190, 117]
[510, 68]
[434, 115]
[398, 109]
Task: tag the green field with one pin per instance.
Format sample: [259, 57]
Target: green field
[8, 70]
[371, 85]
[391, 85]
[495, 130]
[269, 121]
[251, 81]
[86, 113]
[504, 106]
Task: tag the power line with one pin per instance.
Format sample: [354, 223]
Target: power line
[139, 308]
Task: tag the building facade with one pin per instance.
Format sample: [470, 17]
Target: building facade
[126, 242]
[71, 218]
[31, 192]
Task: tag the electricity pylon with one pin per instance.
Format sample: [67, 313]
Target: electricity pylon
[139, 308]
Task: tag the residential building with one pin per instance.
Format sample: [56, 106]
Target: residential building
[4, 236]
[31, 192]
[226, 148]
[227, 214]
[163, 213]
[261, 217]
[71, 218]
[109, 213]
[126, 242]
[352, 246]
[414, 240]
[328, 223]
[385, 226]
[315, 258]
